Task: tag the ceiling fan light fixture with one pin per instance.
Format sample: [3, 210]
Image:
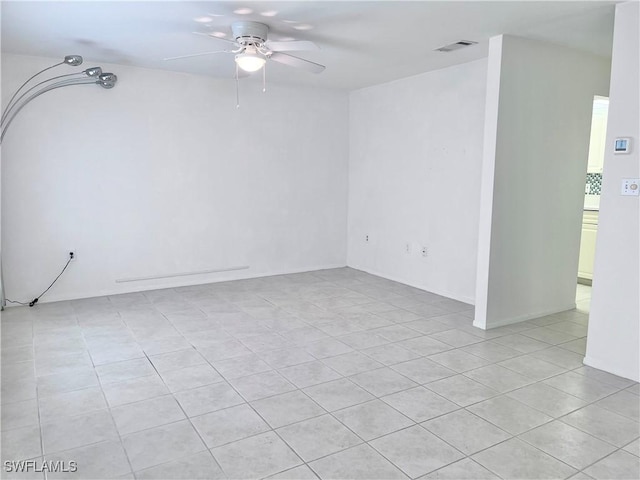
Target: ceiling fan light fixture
[250, 61]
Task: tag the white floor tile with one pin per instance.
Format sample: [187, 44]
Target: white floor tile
[114, 379]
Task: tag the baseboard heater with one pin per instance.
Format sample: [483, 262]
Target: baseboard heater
[183, 274]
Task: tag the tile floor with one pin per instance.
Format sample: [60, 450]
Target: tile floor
[329, 374]
[583, 298]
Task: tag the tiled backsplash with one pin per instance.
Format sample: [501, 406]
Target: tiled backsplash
[594, 184]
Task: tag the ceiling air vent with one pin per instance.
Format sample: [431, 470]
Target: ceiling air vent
[455, 46]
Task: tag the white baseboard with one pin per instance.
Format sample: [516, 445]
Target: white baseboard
[627, 372]
[154, 284]
[528, 316]
[443, 293]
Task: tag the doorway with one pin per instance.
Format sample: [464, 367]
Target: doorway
[591, 209]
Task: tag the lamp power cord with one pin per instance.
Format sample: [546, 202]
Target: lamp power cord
[35, 300]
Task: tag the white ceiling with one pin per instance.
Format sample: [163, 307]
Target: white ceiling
[362, 42]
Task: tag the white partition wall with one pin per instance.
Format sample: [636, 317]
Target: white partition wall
[613, 340]
[537, 124]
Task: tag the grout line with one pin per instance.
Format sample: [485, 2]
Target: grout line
[115, 427]
[187, 418]
[35, 374]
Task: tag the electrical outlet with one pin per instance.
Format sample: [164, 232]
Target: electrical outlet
[73, 254]
[407, 248]
[425, 252]
[366, 238]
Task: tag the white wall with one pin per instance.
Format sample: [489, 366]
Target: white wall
[415, 159]
[613, 342]
[163, 175]
[539, 105]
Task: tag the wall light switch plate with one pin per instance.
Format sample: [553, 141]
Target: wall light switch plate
[630, 186]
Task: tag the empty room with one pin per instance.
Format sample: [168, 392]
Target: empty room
[320, 240]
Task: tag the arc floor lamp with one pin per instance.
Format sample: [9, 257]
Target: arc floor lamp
[24, 95]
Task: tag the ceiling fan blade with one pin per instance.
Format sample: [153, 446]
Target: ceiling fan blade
[196, 55]
[215, 37]
[296, 62]
[293, 46]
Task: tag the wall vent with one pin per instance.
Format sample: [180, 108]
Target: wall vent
[455, 46]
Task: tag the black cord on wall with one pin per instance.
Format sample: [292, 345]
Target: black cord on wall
[35, 300]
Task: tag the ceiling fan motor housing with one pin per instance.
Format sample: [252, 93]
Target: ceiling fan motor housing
[247, 33]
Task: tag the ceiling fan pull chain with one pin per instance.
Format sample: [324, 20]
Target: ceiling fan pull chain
[237, 89]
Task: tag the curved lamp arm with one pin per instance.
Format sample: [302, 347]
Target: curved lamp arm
[105, 80]
[73, 60]
[88, 73]
[48, 88]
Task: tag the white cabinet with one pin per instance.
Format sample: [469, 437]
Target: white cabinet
[587, 245]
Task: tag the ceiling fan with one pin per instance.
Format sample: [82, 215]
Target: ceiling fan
[252, 49]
